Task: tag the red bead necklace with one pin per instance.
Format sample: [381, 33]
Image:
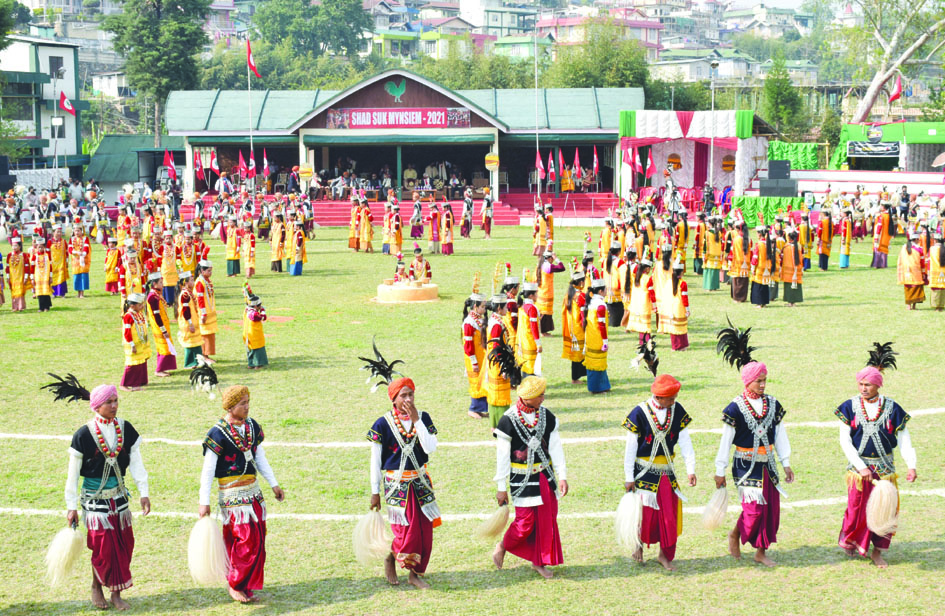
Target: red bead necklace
[100, 438]
[662, 427]
[400, 427]
[521, 416]
[242, 443]
[764, 405]
[879, 408]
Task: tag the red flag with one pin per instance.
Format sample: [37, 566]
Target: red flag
[250, 61]
[894, 95]
[637, 164]
[242, 166]
[538, 166]
[251, 170]
[265, 169]
[596, 164]
[214, 165]
[650, 165]
[198, 166]
[551, 167]
[169, 164]
[65, 104]
[561, 160]
[577, 165]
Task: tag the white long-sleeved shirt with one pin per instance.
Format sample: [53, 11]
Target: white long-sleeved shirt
[684, 443]
[781, 444]
[503, 458]
[427, 441]
[903, 438]
[210, 466]
[135, 468]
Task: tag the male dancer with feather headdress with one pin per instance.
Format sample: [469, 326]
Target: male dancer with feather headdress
[232, 455]
[754, 425]
[101, 452]
[529, 444]
[401, 443]
[872, 426]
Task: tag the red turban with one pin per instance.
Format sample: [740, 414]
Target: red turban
[665, 386]
[397, 384]
[870, 375]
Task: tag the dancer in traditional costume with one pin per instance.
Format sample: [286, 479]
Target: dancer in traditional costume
[354, 235]
[466, 225]
[419, 267]
[169, 255]
[642, 300]
[681, 241]
[206, 309]
[805, 238]
[713, 242]
[277, 238]
[385, 229]
[233, 455]
[102, 451]
[474, 352]
[846, 238]
[402, 441]
[825, 240]
[753, 423]
[80, 259]
[595, 339]
[112, 257]
[416, 220]
[396, 229]
[366, 227]
[499, 386]
[910, 270]
[434, 233]
[527, 335]
[739, 258]
[792, 258]
[249, 249]
[883, 231]
[299, 253]
[135, 343]
[487, 212]
[131, 274]
[937, 273]
[57, 254]
[572, 326]
[160, 326]
[677, 320]
[763, 255]
[41, 273]
[448, 223]
[872, 427]
[188, 326]
[253, 335]
[18, 275]
[233, 239]
[548, 265]
[656, 428]
[614, 281]
[699, 244]
[529, 444]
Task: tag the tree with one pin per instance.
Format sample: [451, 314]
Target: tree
[337, 25]
[830, 128]
[604, 60]
[679, 95]
[897, 35]
[160, 42]
[783, 106]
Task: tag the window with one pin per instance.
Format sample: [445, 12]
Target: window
[55, 63]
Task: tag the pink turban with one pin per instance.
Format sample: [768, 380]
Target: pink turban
[870, 375]
[100, 395]
[753, 371]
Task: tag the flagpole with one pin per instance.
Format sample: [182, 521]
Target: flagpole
[537, 152]
[249, 94]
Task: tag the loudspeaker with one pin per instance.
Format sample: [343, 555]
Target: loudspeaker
[777, 188]
[779, 169]
[4, 165]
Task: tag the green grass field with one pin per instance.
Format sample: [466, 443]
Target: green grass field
[313, 393]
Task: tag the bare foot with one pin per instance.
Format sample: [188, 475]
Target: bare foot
[850, 551]
[417, 581]
[761, 557]
[733, 548]
[98, 597]
[637, 555]
[239, 596]
[498, 556]
[252, 598]
[543, 571]
[161, 374]
[474, 414]
[120, 604]
[390, 570]
[123, 388]
[667, 563]
[877, 557]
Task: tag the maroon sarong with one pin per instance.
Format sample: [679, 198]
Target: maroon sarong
[246, 547]
[165, 363]
[413, 543]
[135, 376]
[854, 532]
[758, 524]
[533, 534]
[661, 526]
[111, 551]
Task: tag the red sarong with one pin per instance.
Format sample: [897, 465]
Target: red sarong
[111, 552]
[413, 543]
[758, 524]
[662, 526]
[533, 534]
[854, 532]
[246, 547]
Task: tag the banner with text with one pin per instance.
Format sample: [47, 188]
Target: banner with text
[415, 117]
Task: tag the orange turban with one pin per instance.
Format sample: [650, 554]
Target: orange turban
[665, 386]
[397, 384]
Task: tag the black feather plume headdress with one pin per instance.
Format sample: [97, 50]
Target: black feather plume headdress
[68, 389]
[503, 356]
[733, 345]
[380, 368]
[882, 356]
[646, 354]
[203, 377]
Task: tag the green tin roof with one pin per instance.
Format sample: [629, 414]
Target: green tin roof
[116, 159]
[194, 111]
